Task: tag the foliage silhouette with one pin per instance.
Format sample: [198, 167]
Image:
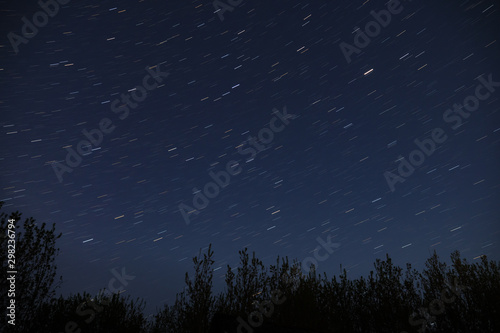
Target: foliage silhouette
[460, 297]
[35, 280]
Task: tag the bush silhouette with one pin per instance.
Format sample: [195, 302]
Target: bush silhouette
[460, 297]
[35, 280]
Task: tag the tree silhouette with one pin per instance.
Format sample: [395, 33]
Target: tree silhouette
[35, 280]
[458, 297]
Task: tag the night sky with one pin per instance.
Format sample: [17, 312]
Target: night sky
[316, 120]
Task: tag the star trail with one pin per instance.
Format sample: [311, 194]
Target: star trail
[146, 130]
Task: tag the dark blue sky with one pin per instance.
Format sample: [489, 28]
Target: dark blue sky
[213, 85]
